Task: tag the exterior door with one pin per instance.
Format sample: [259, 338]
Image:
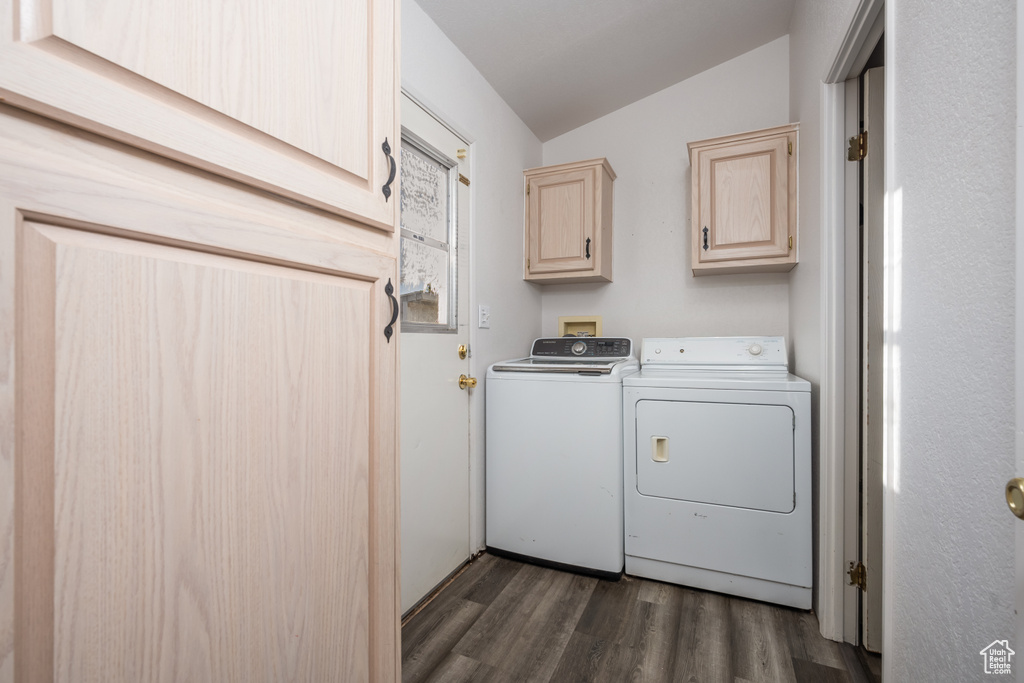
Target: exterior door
[873, 234]
[435, 323]
[199, 407]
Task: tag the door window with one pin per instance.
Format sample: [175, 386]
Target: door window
[428, 233]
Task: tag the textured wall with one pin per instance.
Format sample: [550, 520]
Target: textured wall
[654, 293]
[437, 74]
[952, 537]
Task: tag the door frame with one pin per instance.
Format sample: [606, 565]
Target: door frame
[1019, 336]
[839, 448]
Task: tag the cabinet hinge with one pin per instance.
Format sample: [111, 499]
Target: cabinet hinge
[858, 575]
[858, 147]
[527, 190]
[464, 180]
[527, 263]
[791, 149]
[791, 243]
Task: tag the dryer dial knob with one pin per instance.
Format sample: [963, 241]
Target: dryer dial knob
[755, 349]
[579, 348]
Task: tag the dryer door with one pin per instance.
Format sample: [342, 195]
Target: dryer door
[734, 454]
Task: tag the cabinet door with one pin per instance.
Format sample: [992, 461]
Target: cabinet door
[197, 425]
[296, 98]
[561, 222]
[743, 198]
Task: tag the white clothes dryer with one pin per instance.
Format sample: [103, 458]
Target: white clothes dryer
[554, 454]
[717, 474]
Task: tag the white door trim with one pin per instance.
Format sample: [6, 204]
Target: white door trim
[837, 513]
[1019, 332]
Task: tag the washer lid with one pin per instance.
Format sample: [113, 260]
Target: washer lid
[720, 354]
[600, 366]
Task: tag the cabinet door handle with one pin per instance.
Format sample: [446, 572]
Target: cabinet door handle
[389, 328]
[705, 238]
[588, 247]
[386, 189]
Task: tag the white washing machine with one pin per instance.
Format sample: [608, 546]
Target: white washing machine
[717, 445]
[554, 454]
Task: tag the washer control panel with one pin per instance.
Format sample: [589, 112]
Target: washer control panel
[583, 347]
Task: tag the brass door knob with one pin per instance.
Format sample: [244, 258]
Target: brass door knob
[466, 382]
[1015, 496]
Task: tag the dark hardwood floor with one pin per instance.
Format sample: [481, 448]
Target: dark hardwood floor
[502, 620]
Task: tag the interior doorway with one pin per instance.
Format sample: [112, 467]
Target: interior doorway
[865, 180]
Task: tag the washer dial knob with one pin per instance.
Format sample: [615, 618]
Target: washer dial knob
[579, 348]
[754, 349]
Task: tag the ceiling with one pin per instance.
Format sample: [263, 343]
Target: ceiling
[562, 63]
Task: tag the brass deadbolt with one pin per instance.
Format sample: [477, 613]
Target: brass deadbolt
[1015, 496]
[466, 382]
[463, 351]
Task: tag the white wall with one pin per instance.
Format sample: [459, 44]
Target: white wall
[654, 293]
[442, 79]
[817, 29]
[951, 585]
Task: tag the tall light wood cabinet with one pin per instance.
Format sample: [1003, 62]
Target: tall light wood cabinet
[744, 205]
[294, 98]
[198, 443]
[568, 231]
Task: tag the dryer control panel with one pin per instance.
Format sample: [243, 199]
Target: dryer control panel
[583, 347]
[724, 353]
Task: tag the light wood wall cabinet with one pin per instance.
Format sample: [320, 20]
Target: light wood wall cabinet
[198, 409]
[744, 202]
[569, 222]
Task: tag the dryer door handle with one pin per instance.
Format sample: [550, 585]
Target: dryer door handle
[659, 448]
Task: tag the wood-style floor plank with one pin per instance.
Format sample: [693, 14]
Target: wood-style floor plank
[458, 669]
[759, 653]
[433, 637]
[805, 642]
[703, 647]
[507, 616]
[610, 601]
[535, 653]
[810, 672]
[503, 621]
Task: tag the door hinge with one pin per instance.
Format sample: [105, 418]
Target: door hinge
[858, 575]
[791, 149]
[464, 180]
[858, 147]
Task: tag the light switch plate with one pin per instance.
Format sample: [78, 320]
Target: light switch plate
[484, 318]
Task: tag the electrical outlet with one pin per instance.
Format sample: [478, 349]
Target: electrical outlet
[484, 318]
